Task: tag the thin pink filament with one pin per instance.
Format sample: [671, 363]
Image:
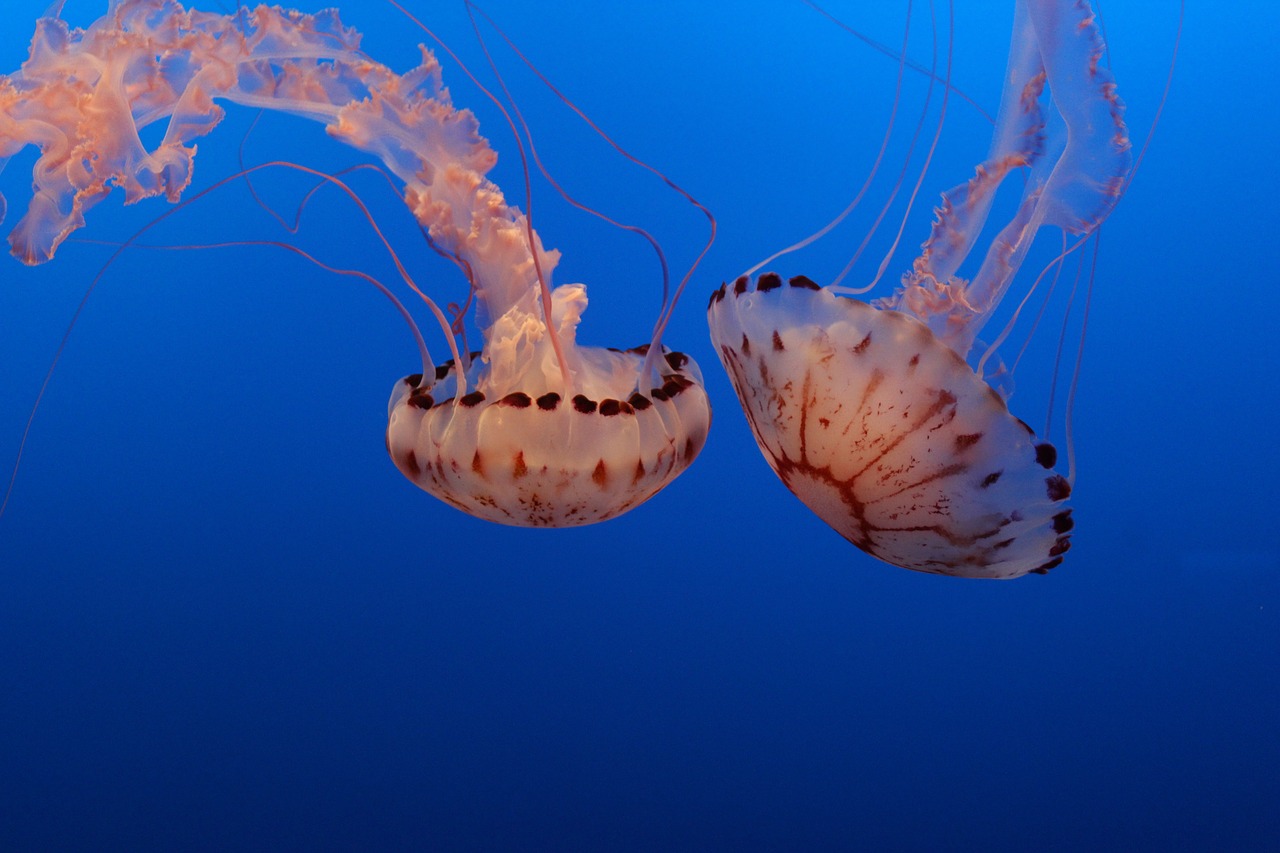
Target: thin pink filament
[875, 166]
[655, 346]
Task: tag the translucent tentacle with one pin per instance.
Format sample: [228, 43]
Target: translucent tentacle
[1078, 158]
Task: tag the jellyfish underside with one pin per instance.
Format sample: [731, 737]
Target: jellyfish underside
[887, 434]
[869, 413]
[534, 429]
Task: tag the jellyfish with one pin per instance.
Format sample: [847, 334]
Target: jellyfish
[870, 413]
[533, 429]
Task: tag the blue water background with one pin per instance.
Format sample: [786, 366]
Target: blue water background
[227, 621]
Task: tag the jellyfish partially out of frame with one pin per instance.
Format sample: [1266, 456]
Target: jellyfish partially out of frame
[534, 429]
[870, 413]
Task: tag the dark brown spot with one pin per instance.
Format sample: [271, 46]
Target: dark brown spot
[803, 281]
[473, 399]
[777, 342]
[1062, 522]
[1062, 546]
[627, 408]
[1004, 544]
[991, 478]
[677, 360]
[717, 295]
[610, 407]
[477, 464]
[740, 286]
[583, 404]
[862, 345]
[746, 346]
[443, 370]
[601, 474]
[964, 442]
[658, 394]
[689, 449]
[548, 402]
[517, 400]
[643, 349]
[411, 462]
[413, 380]
[639, 475]
[1046, 455]
[1057, 487]
[1044, 569]
[768, 281]
[420, 399]
[640, 401]
[518, 469]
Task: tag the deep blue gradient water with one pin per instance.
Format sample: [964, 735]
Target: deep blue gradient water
[227, 621]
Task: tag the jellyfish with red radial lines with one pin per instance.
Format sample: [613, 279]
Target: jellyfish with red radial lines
[534, 429]
[869, 412]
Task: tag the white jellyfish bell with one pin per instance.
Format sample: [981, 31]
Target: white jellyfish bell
[870, 413]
